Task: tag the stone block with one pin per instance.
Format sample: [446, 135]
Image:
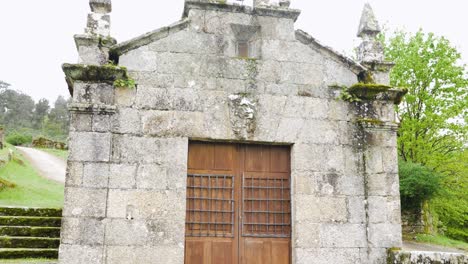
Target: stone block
[146, 150]
[377, 209]
[93, 93]
[82, 231]
[320, 209]
[126, 232]
[356, 209]
[94, 147]
[162, 99]
[79, 254]
[96, 175]
[383, 184]
[167, 254]
[385, 235]
[80, 122]
[74, 174]
[147, 204]
[122, 176]
[306, 235]
[288, 129]
[164, 123]
[84, 202]
[340, 111]
[339, 184]
[101, 123]
[342, 235]
[125, 97]
[153, 177]
[126, 121]
[374, 160]
[327, 256]
[317, 157]
[305, 182]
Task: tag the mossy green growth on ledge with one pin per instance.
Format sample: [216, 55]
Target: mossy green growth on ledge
[371, 91]
[108, 73]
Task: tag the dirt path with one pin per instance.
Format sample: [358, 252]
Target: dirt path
[48, 165]
[413, 246]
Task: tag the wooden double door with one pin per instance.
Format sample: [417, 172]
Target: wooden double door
[238, 204]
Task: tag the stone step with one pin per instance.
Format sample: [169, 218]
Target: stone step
[19, 211]
[24, 253]
[28, 231]
[30, 221]
[29, 242]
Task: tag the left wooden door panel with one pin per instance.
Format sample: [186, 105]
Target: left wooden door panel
[211, 228]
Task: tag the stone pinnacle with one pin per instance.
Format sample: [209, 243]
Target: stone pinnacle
[369, 26]
[101, 6]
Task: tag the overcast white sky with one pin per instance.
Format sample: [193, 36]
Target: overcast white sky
[36, 37]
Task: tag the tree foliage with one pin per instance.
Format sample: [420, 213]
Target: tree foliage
[431, 115]
[434, 118]
[23, 118]
[417, 184]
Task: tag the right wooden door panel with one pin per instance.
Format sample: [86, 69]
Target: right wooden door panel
[238, 204]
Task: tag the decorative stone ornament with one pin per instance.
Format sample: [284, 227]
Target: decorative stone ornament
[285, 3]
[101, 6]
[369, 26]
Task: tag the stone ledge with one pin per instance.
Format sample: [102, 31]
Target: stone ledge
[271, 11]
[375, 124]
[425, 257]
[91, 108]
[379, 92]
[92, 73]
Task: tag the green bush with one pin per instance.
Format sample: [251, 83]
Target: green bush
[17, 139]
[417, 184]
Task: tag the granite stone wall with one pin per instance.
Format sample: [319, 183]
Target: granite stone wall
[126, 180]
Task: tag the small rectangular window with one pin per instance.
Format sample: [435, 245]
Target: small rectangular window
[243, 49]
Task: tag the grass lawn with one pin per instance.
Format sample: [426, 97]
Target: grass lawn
[441, 241]
[31, 189]
[28, 261]
[63, 154]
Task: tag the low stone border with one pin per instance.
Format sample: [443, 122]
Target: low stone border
[426, 257]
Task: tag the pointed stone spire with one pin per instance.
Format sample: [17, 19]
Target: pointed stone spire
[101, 6]
[369, 26]
[370, 52]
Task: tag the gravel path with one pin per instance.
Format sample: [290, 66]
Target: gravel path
[413, 246]
[48, 165]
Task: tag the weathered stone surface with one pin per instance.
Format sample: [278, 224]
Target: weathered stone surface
[89, 146]
[126, 182]
[79, 254]
[96, 175]
[132, 149]
[321, 209]
[343, 235]
[327, 256]
[74, 174]
[122, 176]
[147, 204]
[84, 202]
[82, 231]
[168, 254]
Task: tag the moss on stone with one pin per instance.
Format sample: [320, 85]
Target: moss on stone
[370, 121]
[372, 91]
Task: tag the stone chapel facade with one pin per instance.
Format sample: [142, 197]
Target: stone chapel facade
[229, 137]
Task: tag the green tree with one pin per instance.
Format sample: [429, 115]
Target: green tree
[432, 127]
[41, 110]
[4, 85]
